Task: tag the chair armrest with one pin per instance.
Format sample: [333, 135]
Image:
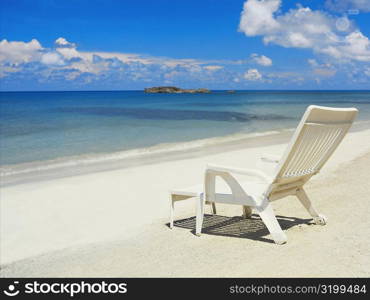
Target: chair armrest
[270, 158]
[250, 172]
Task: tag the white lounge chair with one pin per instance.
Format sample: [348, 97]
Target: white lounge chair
[318, 134]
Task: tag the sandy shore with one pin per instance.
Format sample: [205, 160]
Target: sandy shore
[113, 223]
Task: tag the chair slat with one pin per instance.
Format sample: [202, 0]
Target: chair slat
[315, 144]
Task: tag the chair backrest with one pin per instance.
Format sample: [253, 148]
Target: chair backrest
[318, 134]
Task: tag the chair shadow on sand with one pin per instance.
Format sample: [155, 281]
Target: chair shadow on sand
[252, 228]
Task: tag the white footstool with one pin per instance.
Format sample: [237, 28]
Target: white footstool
[194, 192]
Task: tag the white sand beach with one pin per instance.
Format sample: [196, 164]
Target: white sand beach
[114, 222]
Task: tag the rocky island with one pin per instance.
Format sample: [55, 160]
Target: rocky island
[174, 90]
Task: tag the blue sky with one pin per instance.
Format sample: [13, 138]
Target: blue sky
[217, 44]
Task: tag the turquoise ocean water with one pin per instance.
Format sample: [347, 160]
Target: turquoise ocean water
[55, 126]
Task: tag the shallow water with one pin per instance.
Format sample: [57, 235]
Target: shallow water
[40, 126]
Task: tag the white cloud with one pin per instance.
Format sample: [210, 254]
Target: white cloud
[19, 52]
[66, 61]
[6, 70]
[282, 75]
[252, 74]
[69, 53]
[72, 75]
[348, 5]
[312, 62]
[172, 74]
[322, 69]
[367, 71]
[213, 68]
[304, 28]
[62, 42]
[355, 46]
[324, 72]
[261, 60]
[257, 17]
[52, 58]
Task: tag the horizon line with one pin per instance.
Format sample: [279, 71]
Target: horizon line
[221, 90]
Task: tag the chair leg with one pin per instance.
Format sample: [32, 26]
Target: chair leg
[172, 210]
[268, 217]
[200, 214]
[213, 208]
[303, 198]
[247, 212]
